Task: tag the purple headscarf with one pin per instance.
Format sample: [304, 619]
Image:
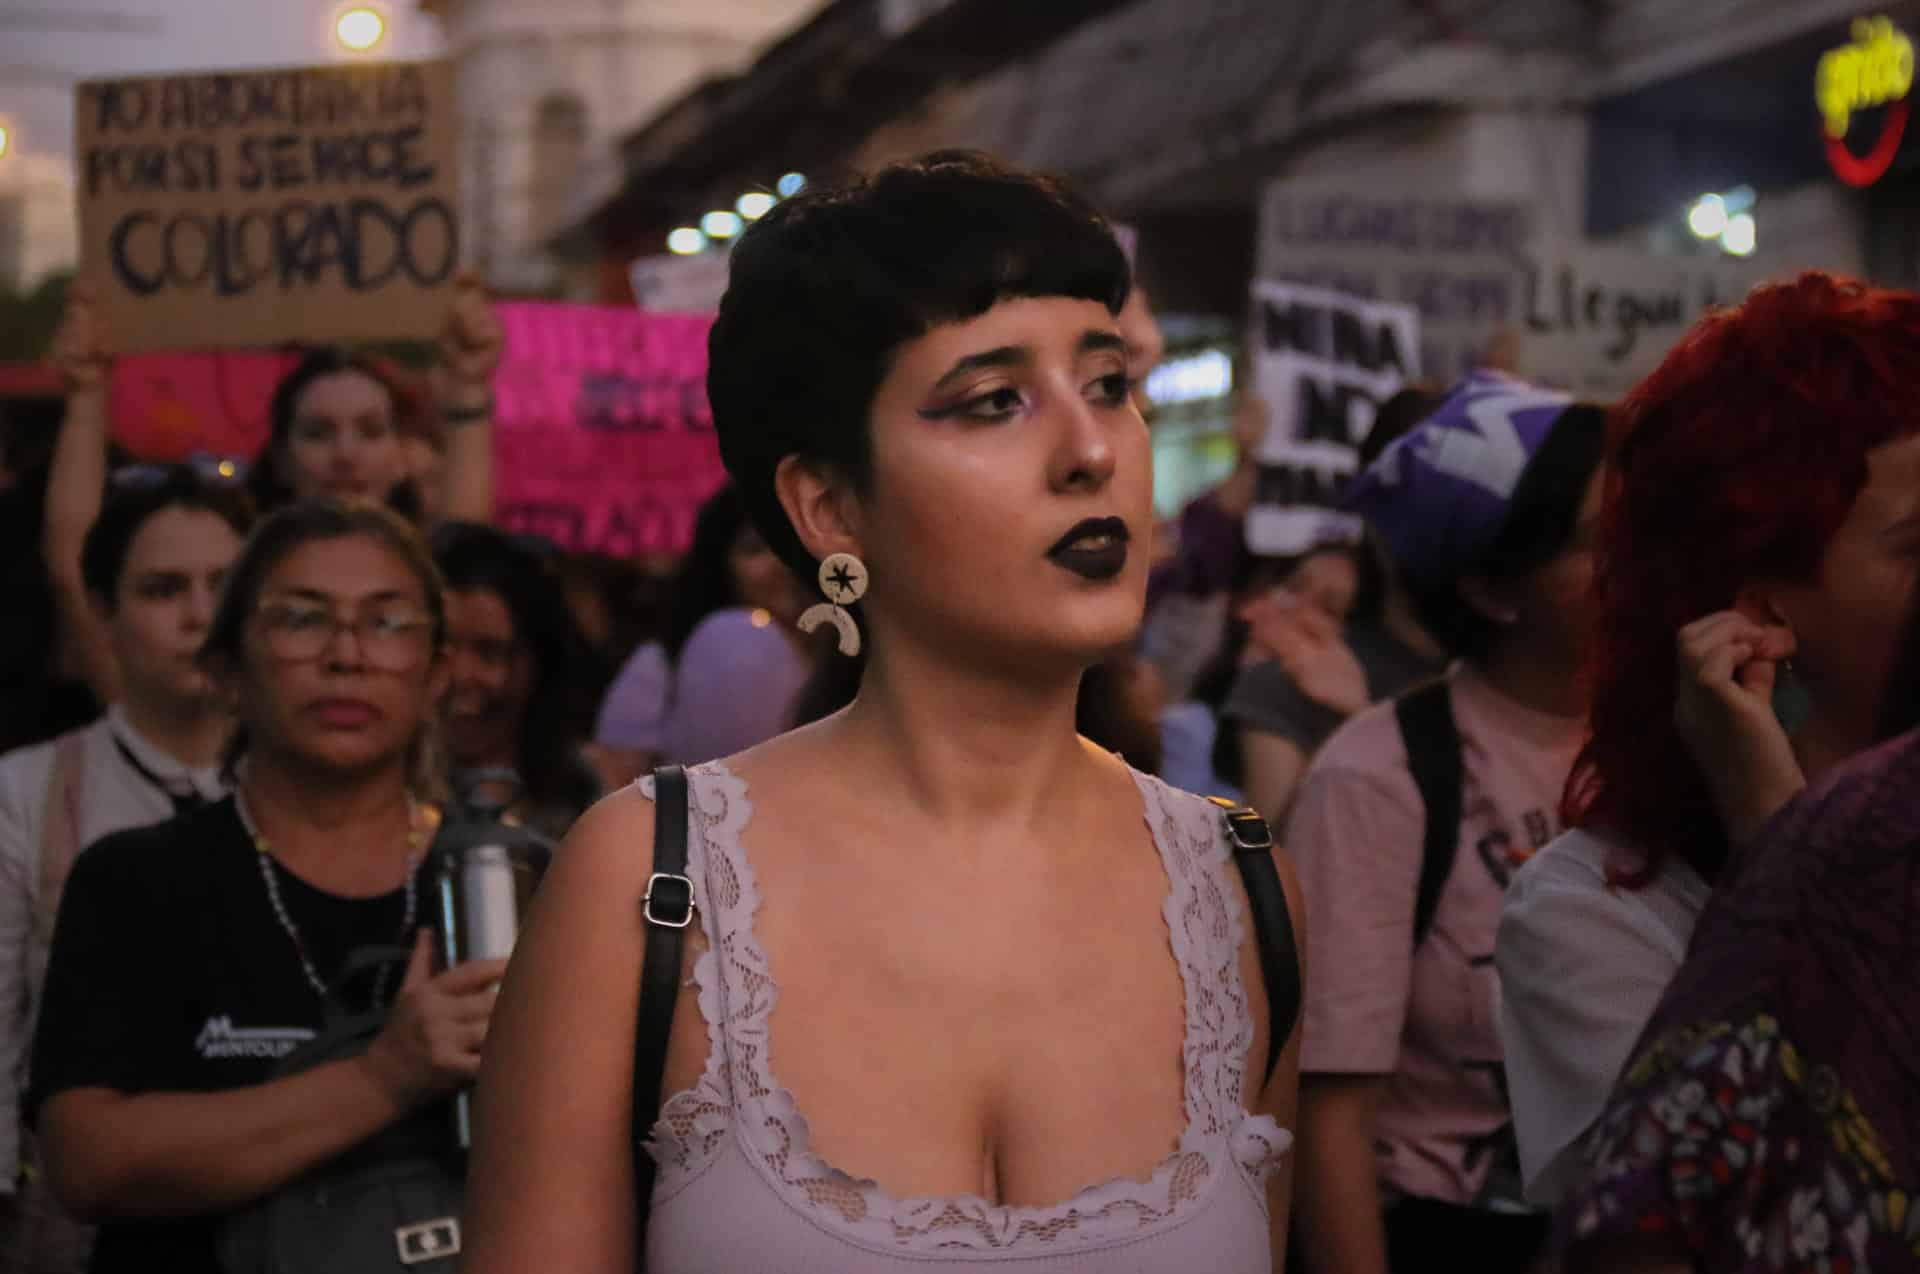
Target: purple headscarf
[1438, 496]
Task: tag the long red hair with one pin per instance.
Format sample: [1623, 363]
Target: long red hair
[1735, 461]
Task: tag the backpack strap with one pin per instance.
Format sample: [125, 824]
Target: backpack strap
[1433, 755]
[668, 910]
[1252, 842]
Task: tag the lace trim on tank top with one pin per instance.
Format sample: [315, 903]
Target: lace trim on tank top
[737, 993]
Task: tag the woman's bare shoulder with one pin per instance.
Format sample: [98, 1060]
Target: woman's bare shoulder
[611, 845]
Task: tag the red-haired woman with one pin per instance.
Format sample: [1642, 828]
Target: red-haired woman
[1757, 557]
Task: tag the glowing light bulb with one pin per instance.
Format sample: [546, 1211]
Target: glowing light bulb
[1708, 216]
[1740, 235]
[790, 185]
[686, 241]
[360, 29]
[754, 205]
[721, 224]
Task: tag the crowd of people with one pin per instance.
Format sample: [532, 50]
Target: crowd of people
[1551, 913]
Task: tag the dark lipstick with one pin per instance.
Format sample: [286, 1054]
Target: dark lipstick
[1095, 549]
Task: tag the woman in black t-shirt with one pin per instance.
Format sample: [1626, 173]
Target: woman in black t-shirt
[191, 956]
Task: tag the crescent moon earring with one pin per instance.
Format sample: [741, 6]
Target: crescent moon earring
[843, 578]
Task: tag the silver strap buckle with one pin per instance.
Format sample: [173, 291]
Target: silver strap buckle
[429, 1240]
[683, 911]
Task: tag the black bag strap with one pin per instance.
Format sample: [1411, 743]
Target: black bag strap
[1433, 755]
[1252, 842]
[667, 910]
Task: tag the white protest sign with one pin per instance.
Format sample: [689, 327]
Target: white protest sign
[680, 285]
[1456, 260]
[1323, 362]
[1598, 319]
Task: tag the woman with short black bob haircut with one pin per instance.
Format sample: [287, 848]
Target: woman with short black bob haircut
[963, 987]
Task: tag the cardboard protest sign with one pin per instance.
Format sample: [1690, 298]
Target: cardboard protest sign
[602, 438]
[1600, 318]
[1323, 362]
[1458, 261]
[253, 208]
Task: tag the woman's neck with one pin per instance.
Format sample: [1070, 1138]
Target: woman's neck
[967, 746]
[348, 834]
[192, 733]
[1544, 680]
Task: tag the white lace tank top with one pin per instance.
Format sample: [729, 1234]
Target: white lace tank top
[740, 1191]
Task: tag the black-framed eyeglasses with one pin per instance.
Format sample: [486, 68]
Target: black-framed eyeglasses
[390, 638]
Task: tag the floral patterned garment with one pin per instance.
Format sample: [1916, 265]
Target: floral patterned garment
[1770, 1118]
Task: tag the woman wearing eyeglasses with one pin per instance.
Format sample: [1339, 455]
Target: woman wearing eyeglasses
[191, 957]
[338, 431]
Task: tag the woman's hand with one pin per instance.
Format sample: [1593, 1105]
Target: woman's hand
[1308, 645]
[472, 340]
[1728, 664]
[80, 351]
[430, 1045]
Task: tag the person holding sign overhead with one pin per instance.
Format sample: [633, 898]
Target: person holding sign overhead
[336, 432]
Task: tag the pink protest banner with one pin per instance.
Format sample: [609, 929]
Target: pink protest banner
[603, 440]
[602, 437]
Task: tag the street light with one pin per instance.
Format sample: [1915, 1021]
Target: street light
[1740, 235]
[360, 29]
[720, 224]
[1708, 217]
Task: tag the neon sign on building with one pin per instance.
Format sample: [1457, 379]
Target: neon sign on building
[1875, 70]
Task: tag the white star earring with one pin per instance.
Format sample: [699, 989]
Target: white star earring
[843, 578]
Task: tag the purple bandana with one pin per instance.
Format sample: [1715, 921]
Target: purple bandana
[1439, 494]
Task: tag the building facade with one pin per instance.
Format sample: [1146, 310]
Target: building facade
[547, 92]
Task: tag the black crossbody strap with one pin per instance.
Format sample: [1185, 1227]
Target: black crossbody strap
[667, 911]
[1252, 843]
[1433, 756]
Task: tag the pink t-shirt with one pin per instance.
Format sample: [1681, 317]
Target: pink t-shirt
[1428, 1021]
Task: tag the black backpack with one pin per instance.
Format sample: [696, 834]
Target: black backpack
[1425, 714]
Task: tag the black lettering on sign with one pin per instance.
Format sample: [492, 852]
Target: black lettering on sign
[284, 157]
[316, 97]
[187, 167]
[362, 243]
[372, 159]
[619, 529]
[1567, 304]
[615, 403]
[118, 106]
[1326, 411]
[1337, 335]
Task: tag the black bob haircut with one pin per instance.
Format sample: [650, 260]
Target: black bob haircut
[1540, 522]
[128, 507]
[826, 288]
